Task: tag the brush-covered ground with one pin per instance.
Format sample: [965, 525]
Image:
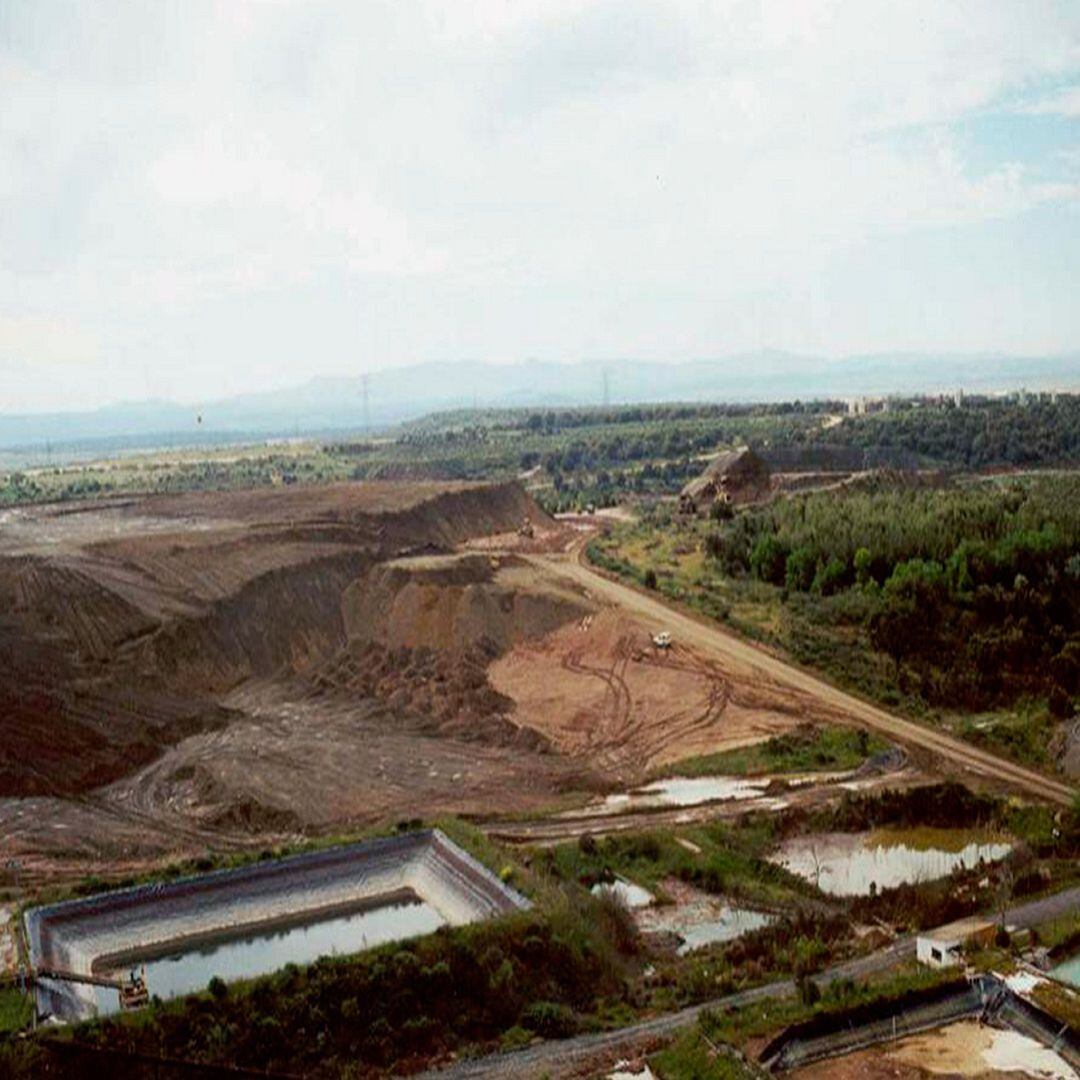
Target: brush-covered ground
[577, 962]
[956, 604]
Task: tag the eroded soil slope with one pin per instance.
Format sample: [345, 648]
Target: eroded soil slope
[123, 624]
[210, 671]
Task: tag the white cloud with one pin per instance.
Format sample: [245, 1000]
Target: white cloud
[484, 177]
[1064, 103]
[45, 340]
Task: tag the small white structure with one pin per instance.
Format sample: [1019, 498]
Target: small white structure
[662, 640]
[944, 946]
[627, 892]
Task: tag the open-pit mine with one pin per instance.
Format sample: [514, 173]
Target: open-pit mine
[215, 671]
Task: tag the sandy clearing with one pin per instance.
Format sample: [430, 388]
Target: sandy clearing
[965, 1049]
[971, 1049]
[599, 689]
[715, 643]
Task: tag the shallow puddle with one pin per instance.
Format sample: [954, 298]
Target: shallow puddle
[847, 864]
[631, 895]
[682, 791]
[732, 923]
[698, 917]
[185, 972]
[1069, 971]
[623, 1072]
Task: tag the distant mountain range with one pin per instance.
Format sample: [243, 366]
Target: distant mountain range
[336, 404]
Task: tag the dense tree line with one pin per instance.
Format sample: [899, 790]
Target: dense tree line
[974, 591]
[975, 435]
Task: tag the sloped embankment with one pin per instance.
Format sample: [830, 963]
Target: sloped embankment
[117, 648]
[453, 603]
[423, 631]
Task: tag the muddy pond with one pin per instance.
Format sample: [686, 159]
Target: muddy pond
[684, 791]
[697, 918]
[848, 864]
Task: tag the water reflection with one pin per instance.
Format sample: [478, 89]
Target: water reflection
[1069, 971]
[847, 864]
[260, 954]
[683, 791]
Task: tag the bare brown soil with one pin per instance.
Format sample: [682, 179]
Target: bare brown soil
[954, 1051]
[197, 671]
[214, 671]
[711, 640]
[601, 691]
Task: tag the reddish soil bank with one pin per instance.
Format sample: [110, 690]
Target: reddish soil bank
[122, 624]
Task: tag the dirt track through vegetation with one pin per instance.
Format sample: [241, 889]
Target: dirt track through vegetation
[712, 640]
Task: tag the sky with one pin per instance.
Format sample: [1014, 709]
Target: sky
[201, 199]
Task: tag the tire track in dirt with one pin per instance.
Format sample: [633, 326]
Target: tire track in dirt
[716, 641]
[719, 696]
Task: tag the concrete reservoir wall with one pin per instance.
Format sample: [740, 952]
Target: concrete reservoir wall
[108, 930]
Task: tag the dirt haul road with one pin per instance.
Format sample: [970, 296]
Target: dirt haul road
[711, 639]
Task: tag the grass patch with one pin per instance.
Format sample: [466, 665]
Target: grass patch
[732, 861]
[16, 1010]
[694, 1056]
[1023, 734]
[807, 749]
[1062, 1004]
[1061, 933]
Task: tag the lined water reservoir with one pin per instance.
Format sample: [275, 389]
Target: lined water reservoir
[251, 921]
[848, 864]
[186, 971]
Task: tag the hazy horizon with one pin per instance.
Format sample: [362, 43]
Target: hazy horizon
[203, 201]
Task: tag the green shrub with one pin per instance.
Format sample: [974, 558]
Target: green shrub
[549, 1019]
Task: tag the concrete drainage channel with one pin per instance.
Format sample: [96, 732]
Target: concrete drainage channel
[254, 920]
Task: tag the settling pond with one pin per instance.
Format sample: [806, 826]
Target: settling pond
[847, 864]
[251, 921]
[188, 971]
[687, 791]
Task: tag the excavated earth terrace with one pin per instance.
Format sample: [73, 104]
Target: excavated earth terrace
[215, 671]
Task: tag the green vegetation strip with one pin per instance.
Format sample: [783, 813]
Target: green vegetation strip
[958, 605]
[15, 1009]
[807, 749]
